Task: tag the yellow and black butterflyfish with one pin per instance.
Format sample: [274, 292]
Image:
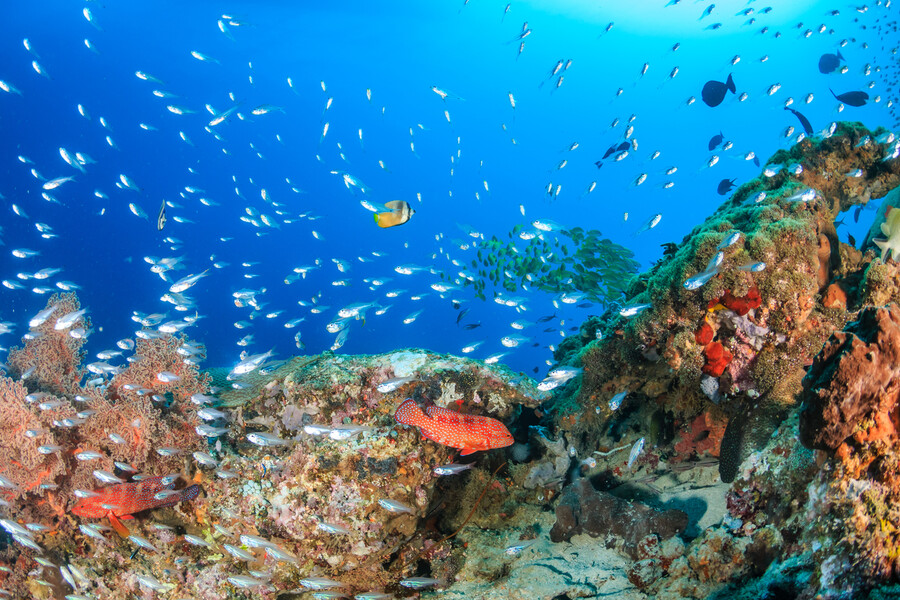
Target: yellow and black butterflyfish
[399, 213]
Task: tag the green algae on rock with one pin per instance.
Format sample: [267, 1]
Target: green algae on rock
[654, 353]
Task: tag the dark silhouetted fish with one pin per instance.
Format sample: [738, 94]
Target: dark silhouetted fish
[851, 240]
[715, 140]
[851, 98]
[546, 318]
[471, 326]
[460, 316]
[609, 152]
[807, 126]
[714, 91]
[828, 63]
[725, 186]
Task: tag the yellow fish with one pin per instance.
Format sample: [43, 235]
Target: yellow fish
[399, 213]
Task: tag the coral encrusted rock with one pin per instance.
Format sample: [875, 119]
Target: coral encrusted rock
[853, 384]
[582, 509]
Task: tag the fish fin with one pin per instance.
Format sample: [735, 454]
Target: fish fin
[729, 83]
[118, 525]
[387, 219]
[467, 451]
[409, 413]
[126, 517]
[839, 55]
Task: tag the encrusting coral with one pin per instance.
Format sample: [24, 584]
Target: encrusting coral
[337, 488]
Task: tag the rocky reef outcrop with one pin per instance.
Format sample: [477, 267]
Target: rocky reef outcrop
[582, 509]
[853, 386]
[713, 376]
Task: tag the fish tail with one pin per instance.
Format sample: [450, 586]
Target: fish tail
[730, 84]
[190, 492]
[409, 413]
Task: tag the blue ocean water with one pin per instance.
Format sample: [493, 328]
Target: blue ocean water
[474, 169]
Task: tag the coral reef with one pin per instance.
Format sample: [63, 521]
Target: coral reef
[56, 439]
[304, 473]
[51, 358]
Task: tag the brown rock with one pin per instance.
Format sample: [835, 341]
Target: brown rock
[853, 384]
[582, 509]
[644, 573]
[835, 296]
[824, 256]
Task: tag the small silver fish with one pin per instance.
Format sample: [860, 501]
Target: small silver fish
[332, 528]
[698, 281]
[142, 542]
[395, 506]
[450, 469]
[107, 477]
[255, 541]
[630, 311]
[635, 452]
[266, 439]
[238, 553]
[211, 414]
[616, 401]
[320, 583]
[392, 384]
[753, 267]
[91, 531]
[279, 554]
[205, 430]
[205, 459]
[729, 240]
[418, 583]
[196, 541]
[245, 581]
[89, 455]
[517, 549]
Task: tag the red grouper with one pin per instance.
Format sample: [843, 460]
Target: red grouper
[125, 499]
[469, 433]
